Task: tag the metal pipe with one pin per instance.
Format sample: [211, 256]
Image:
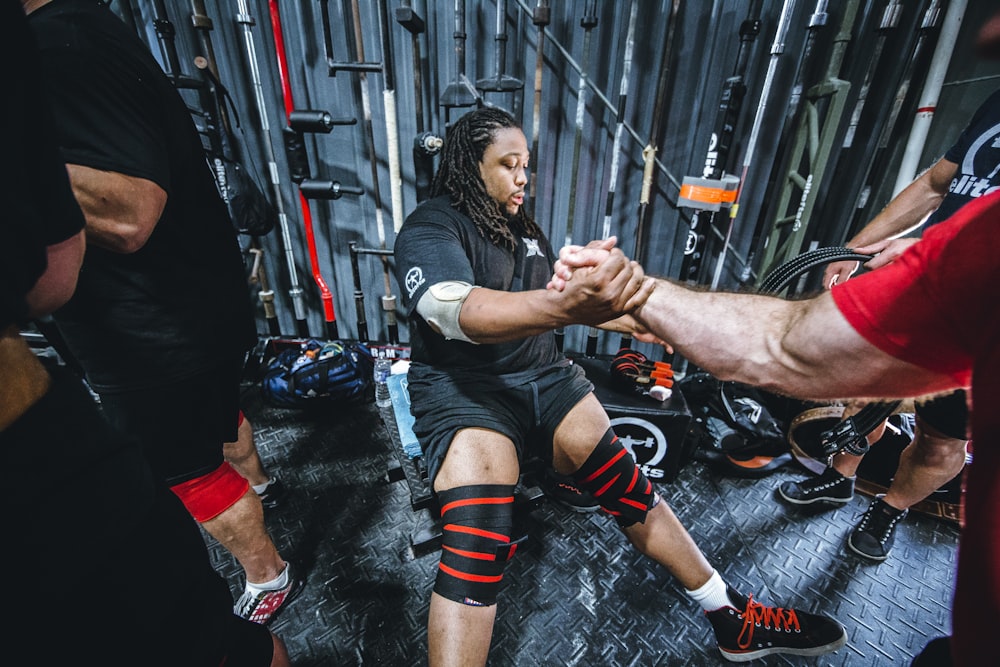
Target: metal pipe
[295, 290]
[777, 48]
[326, 295]
[927, 105]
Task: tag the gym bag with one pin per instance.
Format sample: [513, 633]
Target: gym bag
[319, 373]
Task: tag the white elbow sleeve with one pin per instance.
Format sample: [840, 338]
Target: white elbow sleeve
[441, 306]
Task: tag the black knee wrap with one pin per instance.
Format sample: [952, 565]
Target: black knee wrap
[612, 477]
[475, 545]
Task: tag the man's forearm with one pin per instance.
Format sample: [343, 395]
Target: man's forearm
[55, 287]
[731, 336]
[121, 211]
[910, 207]
[800, 348]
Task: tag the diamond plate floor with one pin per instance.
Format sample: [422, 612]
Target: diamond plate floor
[575, 594]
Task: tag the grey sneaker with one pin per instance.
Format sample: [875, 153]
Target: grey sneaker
[873, 537]
[829, 487]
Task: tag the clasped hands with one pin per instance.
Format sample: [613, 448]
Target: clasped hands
[608, 286]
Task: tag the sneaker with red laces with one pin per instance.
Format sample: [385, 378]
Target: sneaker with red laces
[261, 607]
[748, 630]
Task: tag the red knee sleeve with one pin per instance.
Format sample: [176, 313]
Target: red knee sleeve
[210, 495]
[239, 421]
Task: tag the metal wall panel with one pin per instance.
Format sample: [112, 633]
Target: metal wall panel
[703, 52]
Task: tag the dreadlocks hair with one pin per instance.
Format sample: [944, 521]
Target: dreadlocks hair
[458, 176]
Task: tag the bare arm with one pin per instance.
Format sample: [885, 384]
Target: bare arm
[594, 295]
[800, 348]
[121, 211]
[905, 212]
[57, 284]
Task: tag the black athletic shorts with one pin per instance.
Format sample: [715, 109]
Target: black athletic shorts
[527, 414]
[182, 425]
[948, 414]
[108, 563]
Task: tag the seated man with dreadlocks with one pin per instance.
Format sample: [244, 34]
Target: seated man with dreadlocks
[486, 372]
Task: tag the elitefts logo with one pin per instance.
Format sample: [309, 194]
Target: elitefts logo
[645, 442]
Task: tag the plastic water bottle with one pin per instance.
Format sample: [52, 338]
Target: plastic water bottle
[383, 367]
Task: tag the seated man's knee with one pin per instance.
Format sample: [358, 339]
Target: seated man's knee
[476, 542]
[208, 496]
[611, 476]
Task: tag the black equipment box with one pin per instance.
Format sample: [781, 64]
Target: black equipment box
[654, 432]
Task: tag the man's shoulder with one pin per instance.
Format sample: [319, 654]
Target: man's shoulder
[436, 212]
[76, 38]
[435, 206]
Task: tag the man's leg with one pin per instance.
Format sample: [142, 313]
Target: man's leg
[934, 456]
[835, 485]
[661, 536]
[457, 633]
[241, 531]
[744, 628]
[243, 456]
[931, 460]
[230, 511]
[188, 455]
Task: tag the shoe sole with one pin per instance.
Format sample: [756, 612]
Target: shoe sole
[581, 509]
[822, 499]
[854, 549]
[813, 651]
[578, 509]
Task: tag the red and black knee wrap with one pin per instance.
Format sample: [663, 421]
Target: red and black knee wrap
[475, 545]
[612, 477]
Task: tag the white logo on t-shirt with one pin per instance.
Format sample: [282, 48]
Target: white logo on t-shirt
[533, 249]
[414, 279]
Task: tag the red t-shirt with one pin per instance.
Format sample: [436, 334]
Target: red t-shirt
[936, 306]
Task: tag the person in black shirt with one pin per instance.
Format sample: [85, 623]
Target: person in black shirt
[487, 382]
[95, 537]
[161, 320]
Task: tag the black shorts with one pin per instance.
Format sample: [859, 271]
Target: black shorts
[528, 414]
[108, 561]
[947, 414]
[182, 425]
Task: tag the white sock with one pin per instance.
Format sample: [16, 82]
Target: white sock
[261, 488]
[278, 582]
[712, 594]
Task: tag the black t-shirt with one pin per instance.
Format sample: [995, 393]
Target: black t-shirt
[38, 206]
[438, 243]
[39, 210]
[180, 304]
[977, 154]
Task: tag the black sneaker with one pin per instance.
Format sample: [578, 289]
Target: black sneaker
[829, 487]
[749, 630]
[273, 494]
[563, 490]
[873, 537]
